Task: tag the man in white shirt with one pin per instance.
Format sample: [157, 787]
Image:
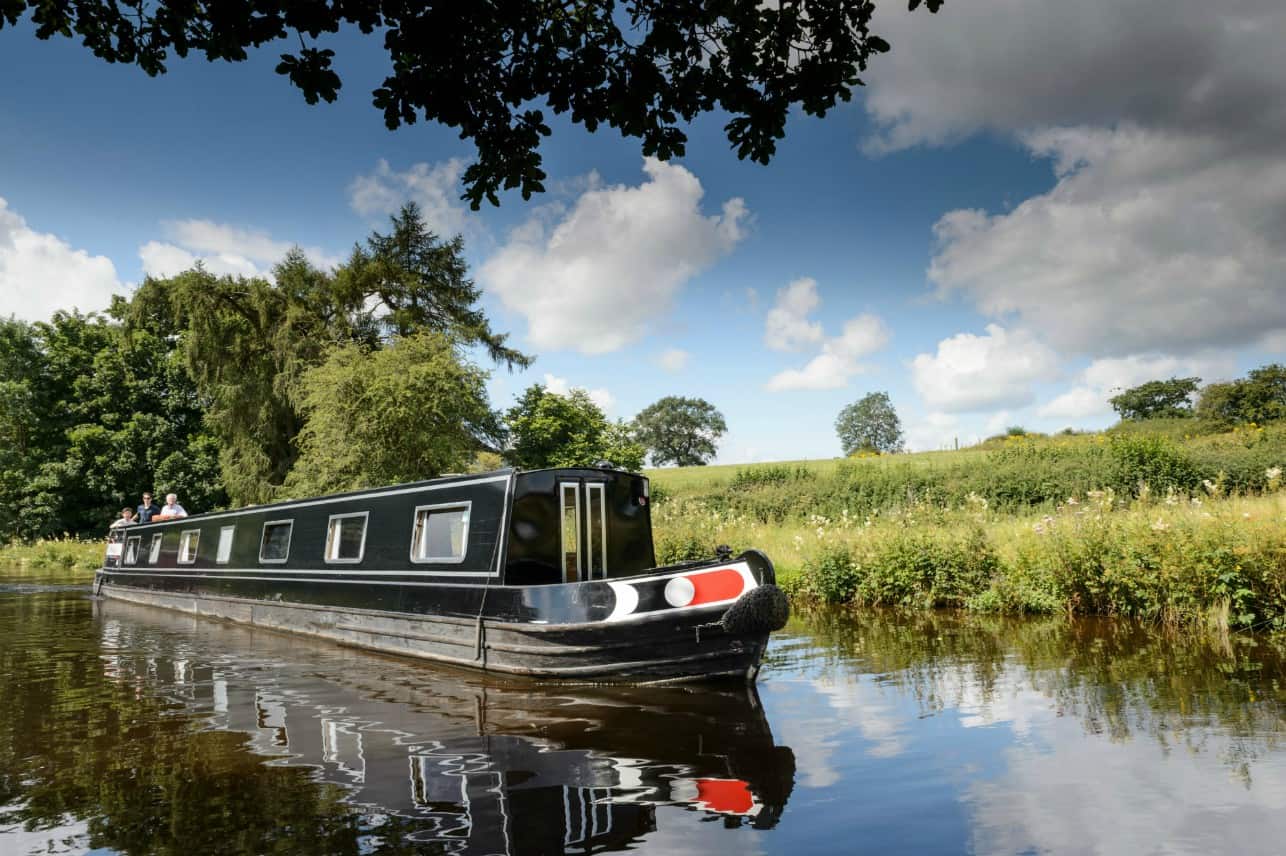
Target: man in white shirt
[171, 509]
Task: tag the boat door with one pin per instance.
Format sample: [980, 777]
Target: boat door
[583, 525]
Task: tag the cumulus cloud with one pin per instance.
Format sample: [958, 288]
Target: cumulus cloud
[932, 432]
[1147, 242]
[602, 275]
[434, 187]
[40, 272]
[673, 359]
[840, 358]
[222, 248]
[560, 386]
[1162, 120]
[1104, 378]
[971, 373]
[787, 326]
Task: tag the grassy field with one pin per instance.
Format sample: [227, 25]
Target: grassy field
[1151, 524]
[76, 558]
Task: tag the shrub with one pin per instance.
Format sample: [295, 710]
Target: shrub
[832, 577]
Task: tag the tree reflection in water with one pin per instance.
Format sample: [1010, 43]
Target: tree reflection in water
[146, 731]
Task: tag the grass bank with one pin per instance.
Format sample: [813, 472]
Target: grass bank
[79, 558]
[1187, 529]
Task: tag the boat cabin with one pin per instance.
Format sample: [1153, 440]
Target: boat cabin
[507, 527]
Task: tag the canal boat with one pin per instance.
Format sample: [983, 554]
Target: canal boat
[545, 573]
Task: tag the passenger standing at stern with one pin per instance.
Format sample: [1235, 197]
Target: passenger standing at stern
[172, 510]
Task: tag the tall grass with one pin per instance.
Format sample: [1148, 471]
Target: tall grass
[1180, 529]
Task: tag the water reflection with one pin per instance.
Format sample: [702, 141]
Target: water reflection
[470, 765]
[134, 730]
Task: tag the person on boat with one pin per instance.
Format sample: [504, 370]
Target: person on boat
[126, 519]
[171, 509]
[148, 509]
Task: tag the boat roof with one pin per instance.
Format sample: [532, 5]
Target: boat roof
[407, 487]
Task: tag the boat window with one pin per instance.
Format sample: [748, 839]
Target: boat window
[275, 544]
[225, 544]
[154, 553]
[188, 541]
[346, 537]
[131, 549]
[596, 520]
[441, 533]
[570, 531]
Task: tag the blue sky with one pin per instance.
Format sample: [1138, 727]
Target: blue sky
[1020, 214]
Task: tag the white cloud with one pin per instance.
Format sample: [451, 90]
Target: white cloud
[222, 248]
[840, 358]
[970, 373]
[1163, 120]
[787, 326]
[434, 187]
[932, 432]
[614, 263]
[1147, 242]
[1104, 378]
[673, 359]
[560, 386]
[40, 273]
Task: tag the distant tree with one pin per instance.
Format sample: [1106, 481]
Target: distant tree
[680, 431]
[870, 424]
[647, 68]
[547, 429]
[413, 410]
[1259, 397]
[1157, 399]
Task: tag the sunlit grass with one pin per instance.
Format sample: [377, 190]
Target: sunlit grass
[59, 555]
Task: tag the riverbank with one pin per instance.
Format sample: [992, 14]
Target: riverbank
[76, 558]
[1034, 534]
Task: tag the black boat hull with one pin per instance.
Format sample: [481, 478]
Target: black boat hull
[667, 645]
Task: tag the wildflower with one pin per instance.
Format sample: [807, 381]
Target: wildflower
[1196, 501]
[1071, 500]
[1273, 473]
[1170, 497]
[1160, 525]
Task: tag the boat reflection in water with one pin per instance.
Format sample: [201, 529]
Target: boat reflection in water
[462, 760]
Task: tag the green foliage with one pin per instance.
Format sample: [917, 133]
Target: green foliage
[547, 429]
[647, 69]
[1152, 461]
[413, 410]
[1258, 398]
[1157, 399]
[680, 431]
[248, 344]
[769, 474]
[89, 418]
[869, 425]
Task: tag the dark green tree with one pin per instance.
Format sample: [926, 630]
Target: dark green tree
[247, 343]
[1157, 399]
[547, 429]
[870, 425]
[646, 68]
[91, 418]
[413, 410]
[680, 431]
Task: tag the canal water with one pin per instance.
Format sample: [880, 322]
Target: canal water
[130, 730]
